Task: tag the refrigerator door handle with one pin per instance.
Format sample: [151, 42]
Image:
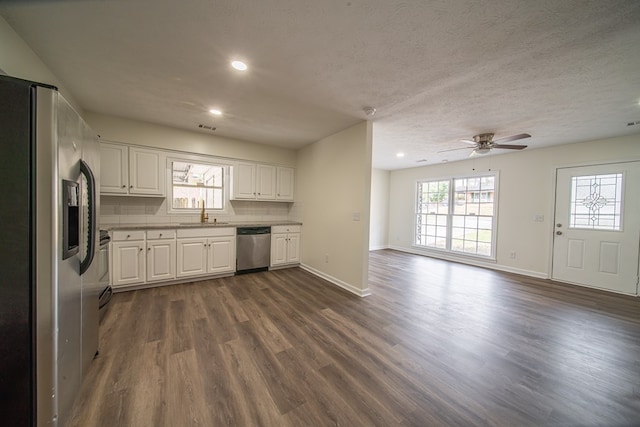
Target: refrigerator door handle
[91, 244]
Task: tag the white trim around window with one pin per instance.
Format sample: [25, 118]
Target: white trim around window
[457, 215]
[200, 160]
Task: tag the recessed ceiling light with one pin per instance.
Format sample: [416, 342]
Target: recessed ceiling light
[400, 155]
[215, 112]
[239, 65]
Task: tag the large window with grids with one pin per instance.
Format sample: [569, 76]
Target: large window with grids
[458, 214]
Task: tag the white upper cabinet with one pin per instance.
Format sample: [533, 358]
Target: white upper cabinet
[146, 169]
[261, 182]
[243, 182]
[114, 169]
[284, 184]
[265, 182]
[134, 171]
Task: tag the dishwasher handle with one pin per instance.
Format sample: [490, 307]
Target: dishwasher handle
[246, 231]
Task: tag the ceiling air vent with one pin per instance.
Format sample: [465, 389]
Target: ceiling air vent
[211, 128]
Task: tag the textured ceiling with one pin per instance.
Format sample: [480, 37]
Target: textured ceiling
[437, 71]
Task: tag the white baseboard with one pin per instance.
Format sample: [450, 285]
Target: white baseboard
[477, 263]
[377, 248]
[344, 285]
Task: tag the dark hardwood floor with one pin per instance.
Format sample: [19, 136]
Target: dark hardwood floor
[436, 344]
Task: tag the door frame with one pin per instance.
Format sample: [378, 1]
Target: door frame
[551, 225]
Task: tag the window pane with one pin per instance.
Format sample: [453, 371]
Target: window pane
[195, 184]
[471, 216]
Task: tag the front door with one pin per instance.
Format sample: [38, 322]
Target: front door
[597, 226]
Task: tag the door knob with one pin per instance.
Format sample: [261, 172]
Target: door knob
[558, 225]
[559, 233]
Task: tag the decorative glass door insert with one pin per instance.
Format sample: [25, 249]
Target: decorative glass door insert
[596, 202]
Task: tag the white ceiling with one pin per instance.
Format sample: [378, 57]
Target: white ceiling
[436, 70]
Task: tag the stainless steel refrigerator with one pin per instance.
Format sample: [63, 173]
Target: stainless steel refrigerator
[49, 284]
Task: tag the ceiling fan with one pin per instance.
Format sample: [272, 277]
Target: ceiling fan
[484, 143]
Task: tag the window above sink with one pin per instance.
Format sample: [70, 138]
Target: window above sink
[196, 183]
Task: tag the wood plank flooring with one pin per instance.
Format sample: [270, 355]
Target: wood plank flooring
[436, 344]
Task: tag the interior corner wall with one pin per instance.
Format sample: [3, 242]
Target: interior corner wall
[333, 197]
[118, 129]
[19, 60]
[379, 228]
[527, 189]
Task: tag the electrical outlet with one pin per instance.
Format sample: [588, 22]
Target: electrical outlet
[512, 255]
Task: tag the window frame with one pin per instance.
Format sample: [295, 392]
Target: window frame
[451, 213]
[226, 175]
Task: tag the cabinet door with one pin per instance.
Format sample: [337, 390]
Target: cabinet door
[243, 181]
[266, 182]
[222, 254]
[114, 169]
[128, 263]
[146, 172]
[293, 247]
[161, 260]
[192, 257]
[278, 249]
[284, 184]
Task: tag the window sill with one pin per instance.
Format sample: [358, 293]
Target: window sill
[453, 255]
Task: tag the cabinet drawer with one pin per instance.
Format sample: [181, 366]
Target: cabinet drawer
[285, 229]
[126, 235]
[161, 234]
[207, 232]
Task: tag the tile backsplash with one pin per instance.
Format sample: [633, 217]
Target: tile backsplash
[152, 210]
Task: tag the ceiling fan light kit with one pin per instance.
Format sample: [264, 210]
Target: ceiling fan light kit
[484, 143]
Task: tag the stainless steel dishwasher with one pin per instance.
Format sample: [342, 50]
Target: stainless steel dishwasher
[253, 249]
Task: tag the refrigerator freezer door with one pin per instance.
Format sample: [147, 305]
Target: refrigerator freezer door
[26, 258]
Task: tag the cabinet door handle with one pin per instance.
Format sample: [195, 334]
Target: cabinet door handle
[124, 186]
[131, 186]
[140, 249]
[147, 249]
[160, 234]
[128, 235]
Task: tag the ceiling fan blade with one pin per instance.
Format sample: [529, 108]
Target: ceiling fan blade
[509, 147]
[454, 149]
[473, 153]
[511, 138]
[469, 141]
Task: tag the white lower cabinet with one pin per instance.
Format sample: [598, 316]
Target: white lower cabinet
[285, 245]
[213, 251]
[128, 259]
[192, 257]
[222, 254]
[161, 259]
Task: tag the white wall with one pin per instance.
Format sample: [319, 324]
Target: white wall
[18, 60]
[379, 228]
[526, 189]
[334, 184]
[117, 129]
